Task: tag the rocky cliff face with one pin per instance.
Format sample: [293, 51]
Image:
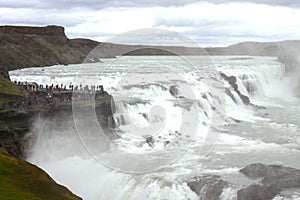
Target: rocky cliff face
[15, 123]
[15, 34]
[39, 46]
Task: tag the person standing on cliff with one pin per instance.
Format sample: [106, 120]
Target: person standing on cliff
[62, 98]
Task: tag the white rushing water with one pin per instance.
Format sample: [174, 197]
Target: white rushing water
[163, 97]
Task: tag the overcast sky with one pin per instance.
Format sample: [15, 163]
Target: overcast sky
[209, 23]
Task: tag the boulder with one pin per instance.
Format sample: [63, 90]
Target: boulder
[274, 179]
[259, 170]
[208, 187]
[174, 91]
[258, 192]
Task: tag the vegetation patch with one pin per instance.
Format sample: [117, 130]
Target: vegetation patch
[22, 180]
[8, 88]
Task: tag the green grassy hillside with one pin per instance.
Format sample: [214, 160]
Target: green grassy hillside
[22, 180]
[9, 92]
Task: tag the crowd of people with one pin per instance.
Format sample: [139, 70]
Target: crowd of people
[13, 105]
[46, 94]
[31, 86]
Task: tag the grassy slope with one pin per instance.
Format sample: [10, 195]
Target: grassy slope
[22, 180]
[9, 92]
[8, 88]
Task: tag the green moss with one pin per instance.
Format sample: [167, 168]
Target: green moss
[9, 92]
[22, 180]
[8, 88]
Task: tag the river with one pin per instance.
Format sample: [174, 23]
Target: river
[195, 124]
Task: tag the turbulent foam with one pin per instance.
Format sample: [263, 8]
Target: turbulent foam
[135, 96]
[152, 104]
[254, 76]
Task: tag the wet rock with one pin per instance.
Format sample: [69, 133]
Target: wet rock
[174, 91]
[232, 81]
[274, 179]
[166, 143]
[228, 92]
[284, 181]
[145, 115]
[280, 176]
[256, 170]
[258, 192]
[150, 141]
[204, 96]
[208, 187]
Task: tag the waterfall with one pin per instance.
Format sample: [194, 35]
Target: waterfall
[152, 117]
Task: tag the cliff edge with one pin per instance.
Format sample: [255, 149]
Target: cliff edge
[22, 47]
[39, 46]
